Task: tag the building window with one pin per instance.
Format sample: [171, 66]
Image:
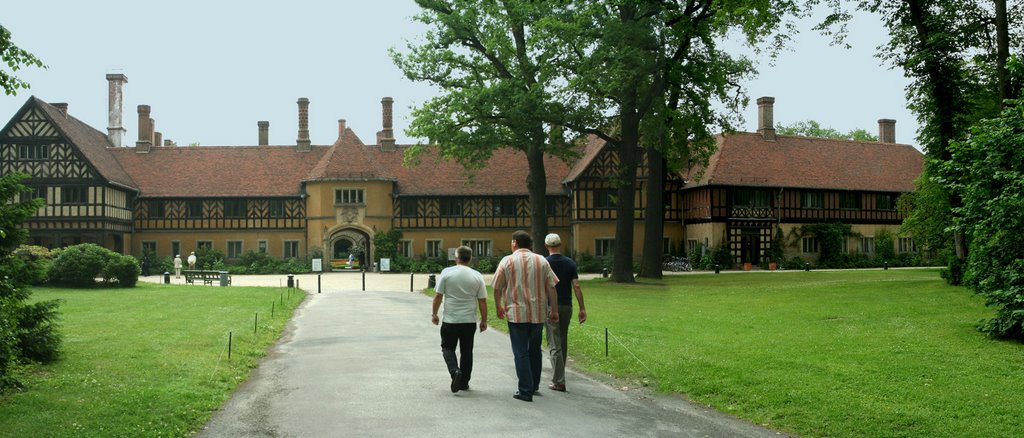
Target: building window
[408, 207]
[604, 198]
[261, 246]
[200, 244]
[175, 248]
[692, 245]
[234, 208]
[33, 152]
[73, 195]
[849, 200]
[504, 206]
[156, 209]
[195, 209]
[234, 249]
[906, 244]
[666, 246]
[481, 248]
[451, 207]
[404, 248]
[348, 196]
[291, 249]
[34, 192]
[551, 206]
[810, 245]
[276, 208]
[867, 245]
[433, 248]
[148, 248]
[752, 198]
[814, 200]
[885, 201]
[846, 245]
[604, 247]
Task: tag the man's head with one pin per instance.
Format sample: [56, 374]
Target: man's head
[522, 239]
[552, 241]
[463, 255]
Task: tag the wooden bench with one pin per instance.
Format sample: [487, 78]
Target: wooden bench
[207, 277]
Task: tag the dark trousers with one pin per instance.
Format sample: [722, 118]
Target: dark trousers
[525, 339]
[461, 335]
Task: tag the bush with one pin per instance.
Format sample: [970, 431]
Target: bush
[722, 257]
[884, 250]
[795, 263]
[207, 258]
[79, 265]
[37, 263]
[123, 270]
[260, 263]
[38, 339]
[695, 257]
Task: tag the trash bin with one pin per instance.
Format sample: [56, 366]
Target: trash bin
[167, 278]
[223, 278]
[291, 280]
[431, 281]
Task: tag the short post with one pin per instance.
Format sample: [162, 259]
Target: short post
[272, 309]
[297, 283]
[256, 323]
[167, 277]
[364, 281]
[718, 268]
[229, 345]
[412, 276]
[606, 342]
[317, 283]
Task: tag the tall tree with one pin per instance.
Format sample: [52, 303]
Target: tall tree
[649, 70]
[491, 66]
[14, 58]
[812, 128]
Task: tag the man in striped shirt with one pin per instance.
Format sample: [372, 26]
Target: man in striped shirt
[524, 291]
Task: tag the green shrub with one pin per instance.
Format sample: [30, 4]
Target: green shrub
[695, 257]
[884, 250]
[207, 258]
[722, 257]
[123, 270]
[37, 263]
[795, 263]
[38, 339]
[260, 263]
[79, 265]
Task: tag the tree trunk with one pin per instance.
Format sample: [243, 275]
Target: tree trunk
[536, 183]
[654, 215]
[622, 265]
[1002, 53]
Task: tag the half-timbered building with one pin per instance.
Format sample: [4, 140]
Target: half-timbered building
[289, 200]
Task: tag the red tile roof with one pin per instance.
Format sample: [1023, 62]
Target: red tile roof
[746, 159]
[204, 171]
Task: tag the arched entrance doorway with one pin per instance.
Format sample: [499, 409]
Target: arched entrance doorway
[348, 242]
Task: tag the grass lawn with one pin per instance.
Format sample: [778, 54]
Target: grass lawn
[854, 353]
[147, 361]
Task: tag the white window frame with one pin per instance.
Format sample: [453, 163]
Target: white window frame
[810, 245]
[175, 248]
[146, 243]
[604, 247]
[349, 196]
[285, 246]
[480, 247]
[437, 250]
[404, 248]
[206, 243]
[867, 245]
[906, 245]
[241, 249]
[262, 246]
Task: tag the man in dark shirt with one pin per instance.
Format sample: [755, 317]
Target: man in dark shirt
[558, 332]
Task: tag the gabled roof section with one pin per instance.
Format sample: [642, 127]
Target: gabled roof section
[590, 152]
[746, 159]
[92, 144]
[219, 171]
[503, 175]
[348, 159]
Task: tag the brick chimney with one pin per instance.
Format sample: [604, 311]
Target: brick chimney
[264, 131]
[387, 135]
[158, 138]
[62, 107]
[169, 142]
[145, 130]
[303, 143]
[115, 103]
[886, 131]
[766, 117]
[341, 129]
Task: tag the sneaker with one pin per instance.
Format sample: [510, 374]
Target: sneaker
[557, 387]
[456, 380]
[522, 397]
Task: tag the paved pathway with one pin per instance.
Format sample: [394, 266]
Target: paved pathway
[355, 363]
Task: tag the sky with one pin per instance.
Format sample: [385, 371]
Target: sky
[210, 70]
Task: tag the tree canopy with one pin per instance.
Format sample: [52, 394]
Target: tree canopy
[14, 58]
[812, 128]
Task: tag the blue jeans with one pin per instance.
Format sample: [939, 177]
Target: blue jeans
[525, 339]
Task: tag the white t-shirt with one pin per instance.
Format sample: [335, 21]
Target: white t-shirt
[462, 288]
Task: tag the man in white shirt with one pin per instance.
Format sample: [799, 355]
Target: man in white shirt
[463, 291]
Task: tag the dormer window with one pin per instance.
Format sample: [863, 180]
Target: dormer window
[348, 196]
[33, 152]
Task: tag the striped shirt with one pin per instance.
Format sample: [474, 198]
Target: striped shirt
[527, 279]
